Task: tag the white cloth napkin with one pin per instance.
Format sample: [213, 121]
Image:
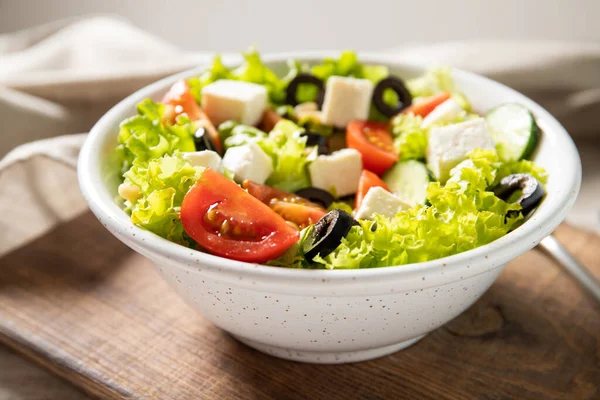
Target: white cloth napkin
[57, 79]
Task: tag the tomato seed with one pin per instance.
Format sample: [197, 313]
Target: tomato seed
[212, 215]
[225, 227]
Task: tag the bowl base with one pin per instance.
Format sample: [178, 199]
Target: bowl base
[325, 357]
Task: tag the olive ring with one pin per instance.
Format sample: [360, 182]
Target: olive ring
[395, 84]
[292, 89]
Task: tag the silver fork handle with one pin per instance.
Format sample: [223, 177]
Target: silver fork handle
[578, 271]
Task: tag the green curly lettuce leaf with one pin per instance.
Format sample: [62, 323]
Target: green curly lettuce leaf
[340, 205]
[145, 137]
[346, 65]
[522, 167]
[409, 138]
[310, 123]
[252, 70]
[287, 147]
[292, 258]
[216, 71]
[434, 81]
[163, 182]
[463, 215]
[233, 134]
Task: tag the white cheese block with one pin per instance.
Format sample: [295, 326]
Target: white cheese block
[338, 172]
[448, 111]
[380, 201]
[248, 162]
[346, 99]
[449, 145]
[204, 158]
[239, 101]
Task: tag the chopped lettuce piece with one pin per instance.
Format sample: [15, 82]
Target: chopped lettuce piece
[346, 65]
[255, 71]
[340, 205]
[252, 70]
[434, 81]
[522, 167]
[310, 123]
[315, 126]
[233, 134]
[163, 182]
[145, 137]
[292, 258]
[409, 138]
[216, 71]
[287, 147]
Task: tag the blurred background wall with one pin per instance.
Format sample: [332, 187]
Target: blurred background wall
[321, 24]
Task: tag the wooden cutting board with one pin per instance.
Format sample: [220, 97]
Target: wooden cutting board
[87, 308]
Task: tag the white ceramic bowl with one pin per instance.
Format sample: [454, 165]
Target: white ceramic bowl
[346, 315]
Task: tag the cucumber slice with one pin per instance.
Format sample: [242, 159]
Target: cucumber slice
[514, 131]
[408, 179]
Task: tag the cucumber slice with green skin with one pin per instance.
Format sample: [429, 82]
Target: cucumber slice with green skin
[408, 180]
[514, 131]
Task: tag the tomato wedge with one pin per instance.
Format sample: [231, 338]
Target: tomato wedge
[428, 104]
[228, 222]
[366, 182]
[269, 119]
[374, 143]
[181, 99]
[291, 207]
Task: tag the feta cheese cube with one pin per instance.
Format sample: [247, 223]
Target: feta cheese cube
[346, 99]
[248, 162]
[338, 172]
[446, 112]
[243, 102]
[449, 145]
[380, 201]
[204, 158]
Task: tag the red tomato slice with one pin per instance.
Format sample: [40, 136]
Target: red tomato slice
[269, 119]
[181, 99]
[374, 143]
[227, 221]
[366, 182]
[300, 214]
[426, 106]
[291, 207]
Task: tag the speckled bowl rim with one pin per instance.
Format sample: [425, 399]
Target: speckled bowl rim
[548, 216]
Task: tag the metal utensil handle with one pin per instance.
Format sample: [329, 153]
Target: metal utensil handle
[582, 275]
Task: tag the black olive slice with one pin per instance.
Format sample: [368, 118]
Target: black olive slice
[203, 141]
[397, 85]
[314, 139]
[531, 189]
[316, 195]
[326, 235]
[292, 88]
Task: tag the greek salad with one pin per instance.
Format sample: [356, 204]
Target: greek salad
[335, 165]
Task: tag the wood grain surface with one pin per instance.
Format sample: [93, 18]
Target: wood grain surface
[90, 310]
